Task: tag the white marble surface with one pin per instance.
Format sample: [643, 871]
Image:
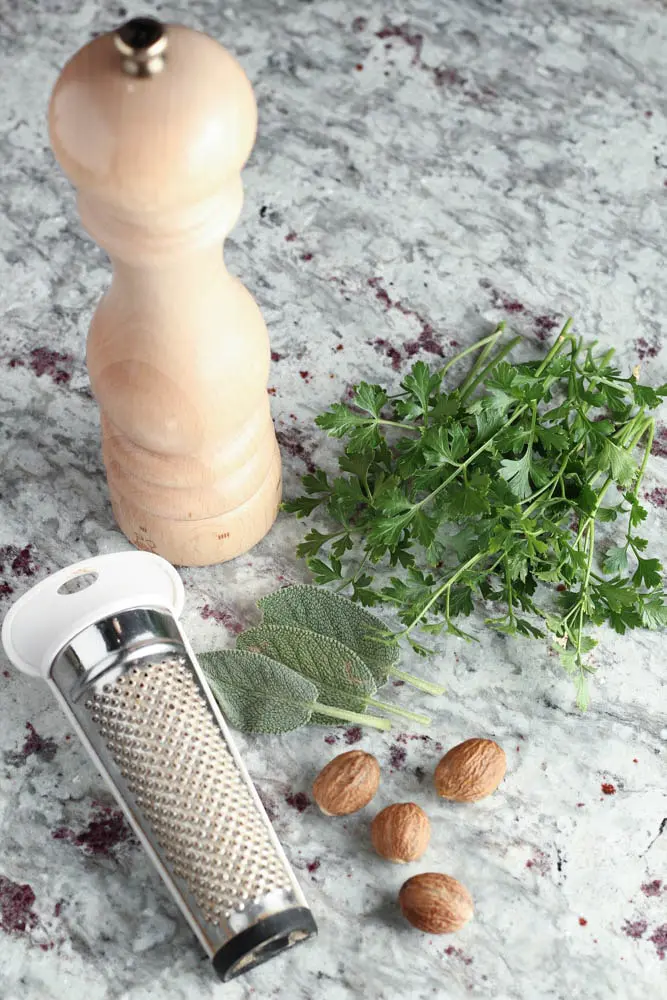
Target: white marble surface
[490, 159]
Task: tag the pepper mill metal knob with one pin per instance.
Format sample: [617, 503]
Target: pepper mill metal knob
[152, 124]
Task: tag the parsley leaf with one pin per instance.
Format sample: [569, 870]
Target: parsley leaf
[479, 492]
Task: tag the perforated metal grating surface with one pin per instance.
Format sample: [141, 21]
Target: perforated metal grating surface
[160, 731]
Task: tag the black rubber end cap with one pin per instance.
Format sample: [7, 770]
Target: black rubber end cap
[264, 940]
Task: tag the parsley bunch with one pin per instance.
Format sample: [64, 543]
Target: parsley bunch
[495, 491]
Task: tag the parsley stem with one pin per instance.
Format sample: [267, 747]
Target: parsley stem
[495, 360]
[473, 347]
[482, 356]
[395, 423]
[446, 586]
[351, 580]
[650, 427]
[552, 484]
[508, 585]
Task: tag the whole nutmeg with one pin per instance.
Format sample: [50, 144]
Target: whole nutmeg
[470, 771]
[347, 783]
[434, 903]
[401, 832]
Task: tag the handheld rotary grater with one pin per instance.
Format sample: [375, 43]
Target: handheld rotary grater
[104, 634]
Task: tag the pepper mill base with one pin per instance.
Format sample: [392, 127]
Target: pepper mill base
[203, 541]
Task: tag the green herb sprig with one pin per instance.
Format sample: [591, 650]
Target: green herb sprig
[495, 490]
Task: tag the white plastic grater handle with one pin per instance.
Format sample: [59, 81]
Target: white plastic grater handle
[50, 614]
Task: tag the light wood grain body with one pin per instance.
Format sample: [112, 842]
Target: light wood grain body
[178, 353]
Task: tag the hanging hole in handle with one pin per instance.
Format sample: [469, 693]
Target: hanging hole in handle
[77, 583]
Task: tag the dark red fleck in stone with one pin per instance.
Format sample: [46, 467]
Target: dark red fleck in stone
[276, 357]
[298, 801]
[660, 442]
[391, 352]
[224, 617]
[659, 939]
[291, 236]
[16, 363]
[271, 390]
[5, 589]
[312, 866]
[16, 902]
[635, 760]
[331, 739]
[305, 375]
[381, 293]
[359, 24]
[44, 749]
[544, 325]
[657, 496]
[608, 788]
[404, 738]
[645, 349]
[653, 888]
[458, 953]
[57, 909]
[635, 928]
[412, 38]
[561, 587]
[339, 347]
[105, 831]
[446, 76]
[46, 362]
[427, 339]
[399, 684]
[291, 441]
[540, 862]
[582, 921]
[648, 114]
[306, 256]
[6, 673]
[353, 734]
[580, 805]
[397, 758]
[20, 560]
[359, 67]
[513, 306]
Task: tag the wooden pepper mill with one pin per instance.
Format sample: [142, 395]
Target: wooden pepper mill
[152, 124]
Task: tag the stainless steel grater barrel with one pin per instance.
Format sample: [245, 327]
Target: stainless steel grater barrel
[105, 635]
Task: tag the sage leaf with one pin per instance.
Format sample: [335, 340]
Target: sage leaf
[331, 615]
[342, 678]
[256, 694]
[260, 695]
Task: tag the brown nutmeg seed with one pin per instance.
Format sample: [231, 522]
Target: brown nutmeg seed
[470, 771]
[347, 783]
[435, 904]
[401, 832]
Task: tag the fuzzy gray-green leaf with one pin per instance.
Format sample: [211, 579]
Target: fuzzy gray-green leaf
[331, 615]
[340, 676]
[256, 694]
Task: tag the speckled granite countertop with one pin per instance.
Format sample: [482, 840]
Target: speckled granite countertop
[423, 169]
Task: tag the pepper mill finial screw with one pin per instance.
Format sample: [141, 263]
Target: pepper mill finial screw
[142, 42]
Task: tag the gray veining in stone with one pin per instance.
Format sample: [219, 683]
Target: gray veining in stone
[423, 170]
